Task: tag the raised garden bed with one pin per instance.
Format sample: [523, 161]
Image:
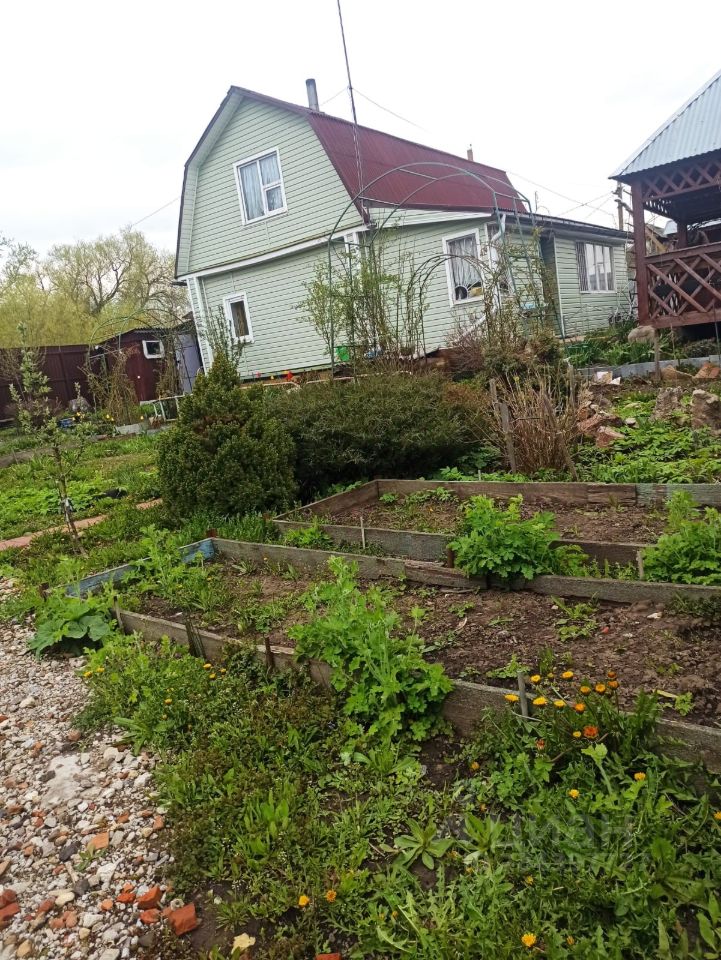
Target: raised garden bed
[416, 518]
[477, 634]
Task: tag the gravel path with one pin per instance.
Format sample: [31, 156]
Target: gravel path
[81, 838]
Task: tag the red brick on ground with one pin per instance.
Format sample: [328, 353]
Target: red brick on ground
[183, 920]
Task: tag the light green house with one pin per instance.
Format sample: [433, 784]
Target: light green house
[270, 184]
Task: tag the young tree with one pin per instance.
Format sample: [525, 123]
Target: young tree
[36, 419]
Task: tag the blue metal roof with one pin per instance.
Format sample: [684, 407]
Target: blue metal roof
[693, 130]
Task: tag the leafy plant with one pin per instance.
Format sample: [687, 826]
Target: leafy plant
[389, 689]
[690, 550]
[313, 536]
[421, 843]
[498, 542]
[578, 621]
[69, 623]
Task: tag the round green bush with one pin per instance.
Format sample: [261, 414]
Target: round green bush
[228, 453]
[383, 425]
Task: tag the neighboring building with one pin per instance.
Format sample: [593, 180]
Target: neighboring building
[270, 182]
[148, 351]
[676, 173]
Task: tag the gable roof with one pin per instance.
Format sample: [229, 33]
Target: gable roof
[435, 180]
[694, 129]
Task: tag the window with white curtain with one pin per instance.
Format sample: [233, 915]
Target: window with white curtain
[595, 267]
[260, 184]
[463, 266]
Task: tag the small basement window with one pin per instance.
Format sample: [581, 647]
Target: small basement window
[595, 267]
[260, 184]
[153, 349]
[465, 279]
[236, 312]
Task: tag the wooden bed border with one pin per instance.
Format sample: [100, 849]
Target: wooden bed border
[463, 707]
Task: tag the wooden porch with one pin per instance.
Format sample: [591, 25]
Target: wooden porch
[684, 286]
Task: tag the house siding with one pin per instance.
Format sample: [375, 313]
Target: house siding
[583, 312]
[314, 193]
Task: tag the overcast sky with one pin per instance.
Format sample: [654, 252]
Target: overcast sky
[102, 103]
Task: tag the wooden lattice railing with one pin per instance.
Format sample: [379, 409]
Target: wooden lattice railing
[685, 284]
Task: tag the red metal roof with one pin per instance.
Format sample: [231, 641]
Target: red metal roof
[431, 178]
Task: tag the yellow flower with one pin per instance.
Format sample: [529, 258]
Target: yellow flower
[529, 940]
[212, 676]
[536, 678]
[164, 717]
[570, 940]
[223, 670]
[475, 765]
[600, 688]
[167, 701]
[330, 895]
[540, 702]
[100, 670]
[577, 734]
[559, 703]
[529, 880]
[303, 901]
[88, 673]
[567, 675]
[394, 914]
[579, 707]
[207, 666]
[639, 776]
[574, 794]
[511, 697]
[585, 689]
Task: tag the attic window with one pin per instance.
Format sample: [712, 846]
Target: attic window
[595, 267]
[236, 313]
[463, 266]
[260, 185]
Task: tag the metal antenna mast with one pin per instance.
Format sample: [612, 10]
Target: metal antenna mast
[352, 101]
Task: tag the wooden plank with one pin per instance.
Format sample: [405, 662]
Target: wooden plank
[91, 583]
[339, 501]
[531, 492]
[463, 707]
[656, 494]
[619, 591]
[432, 546]
[612, 493]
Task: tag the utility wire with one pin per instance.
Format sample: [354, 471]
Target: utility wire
[149, 215]
[391, 112]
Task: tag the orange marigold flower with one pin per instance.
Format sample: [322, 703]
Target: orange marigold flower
[574, 794]
[590, 732]
[717, 815]
[529, 940]
[303, 901]
[540, 744]
[540, 702]
[611, 674]
[511, 697]
[585, 688]
[567, 675]
[475, 765]
[600, 688]
[579, 707]
[330, 895]
[639, 776]
[613, 684]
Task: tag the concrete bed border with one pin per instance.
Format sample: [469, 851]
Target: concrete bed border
[463, 707]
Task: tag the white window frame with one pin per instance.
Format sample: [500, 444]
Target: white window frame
[228, 311]
[581, 252]
[239, 186]
[154, 356]
[475, 232]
